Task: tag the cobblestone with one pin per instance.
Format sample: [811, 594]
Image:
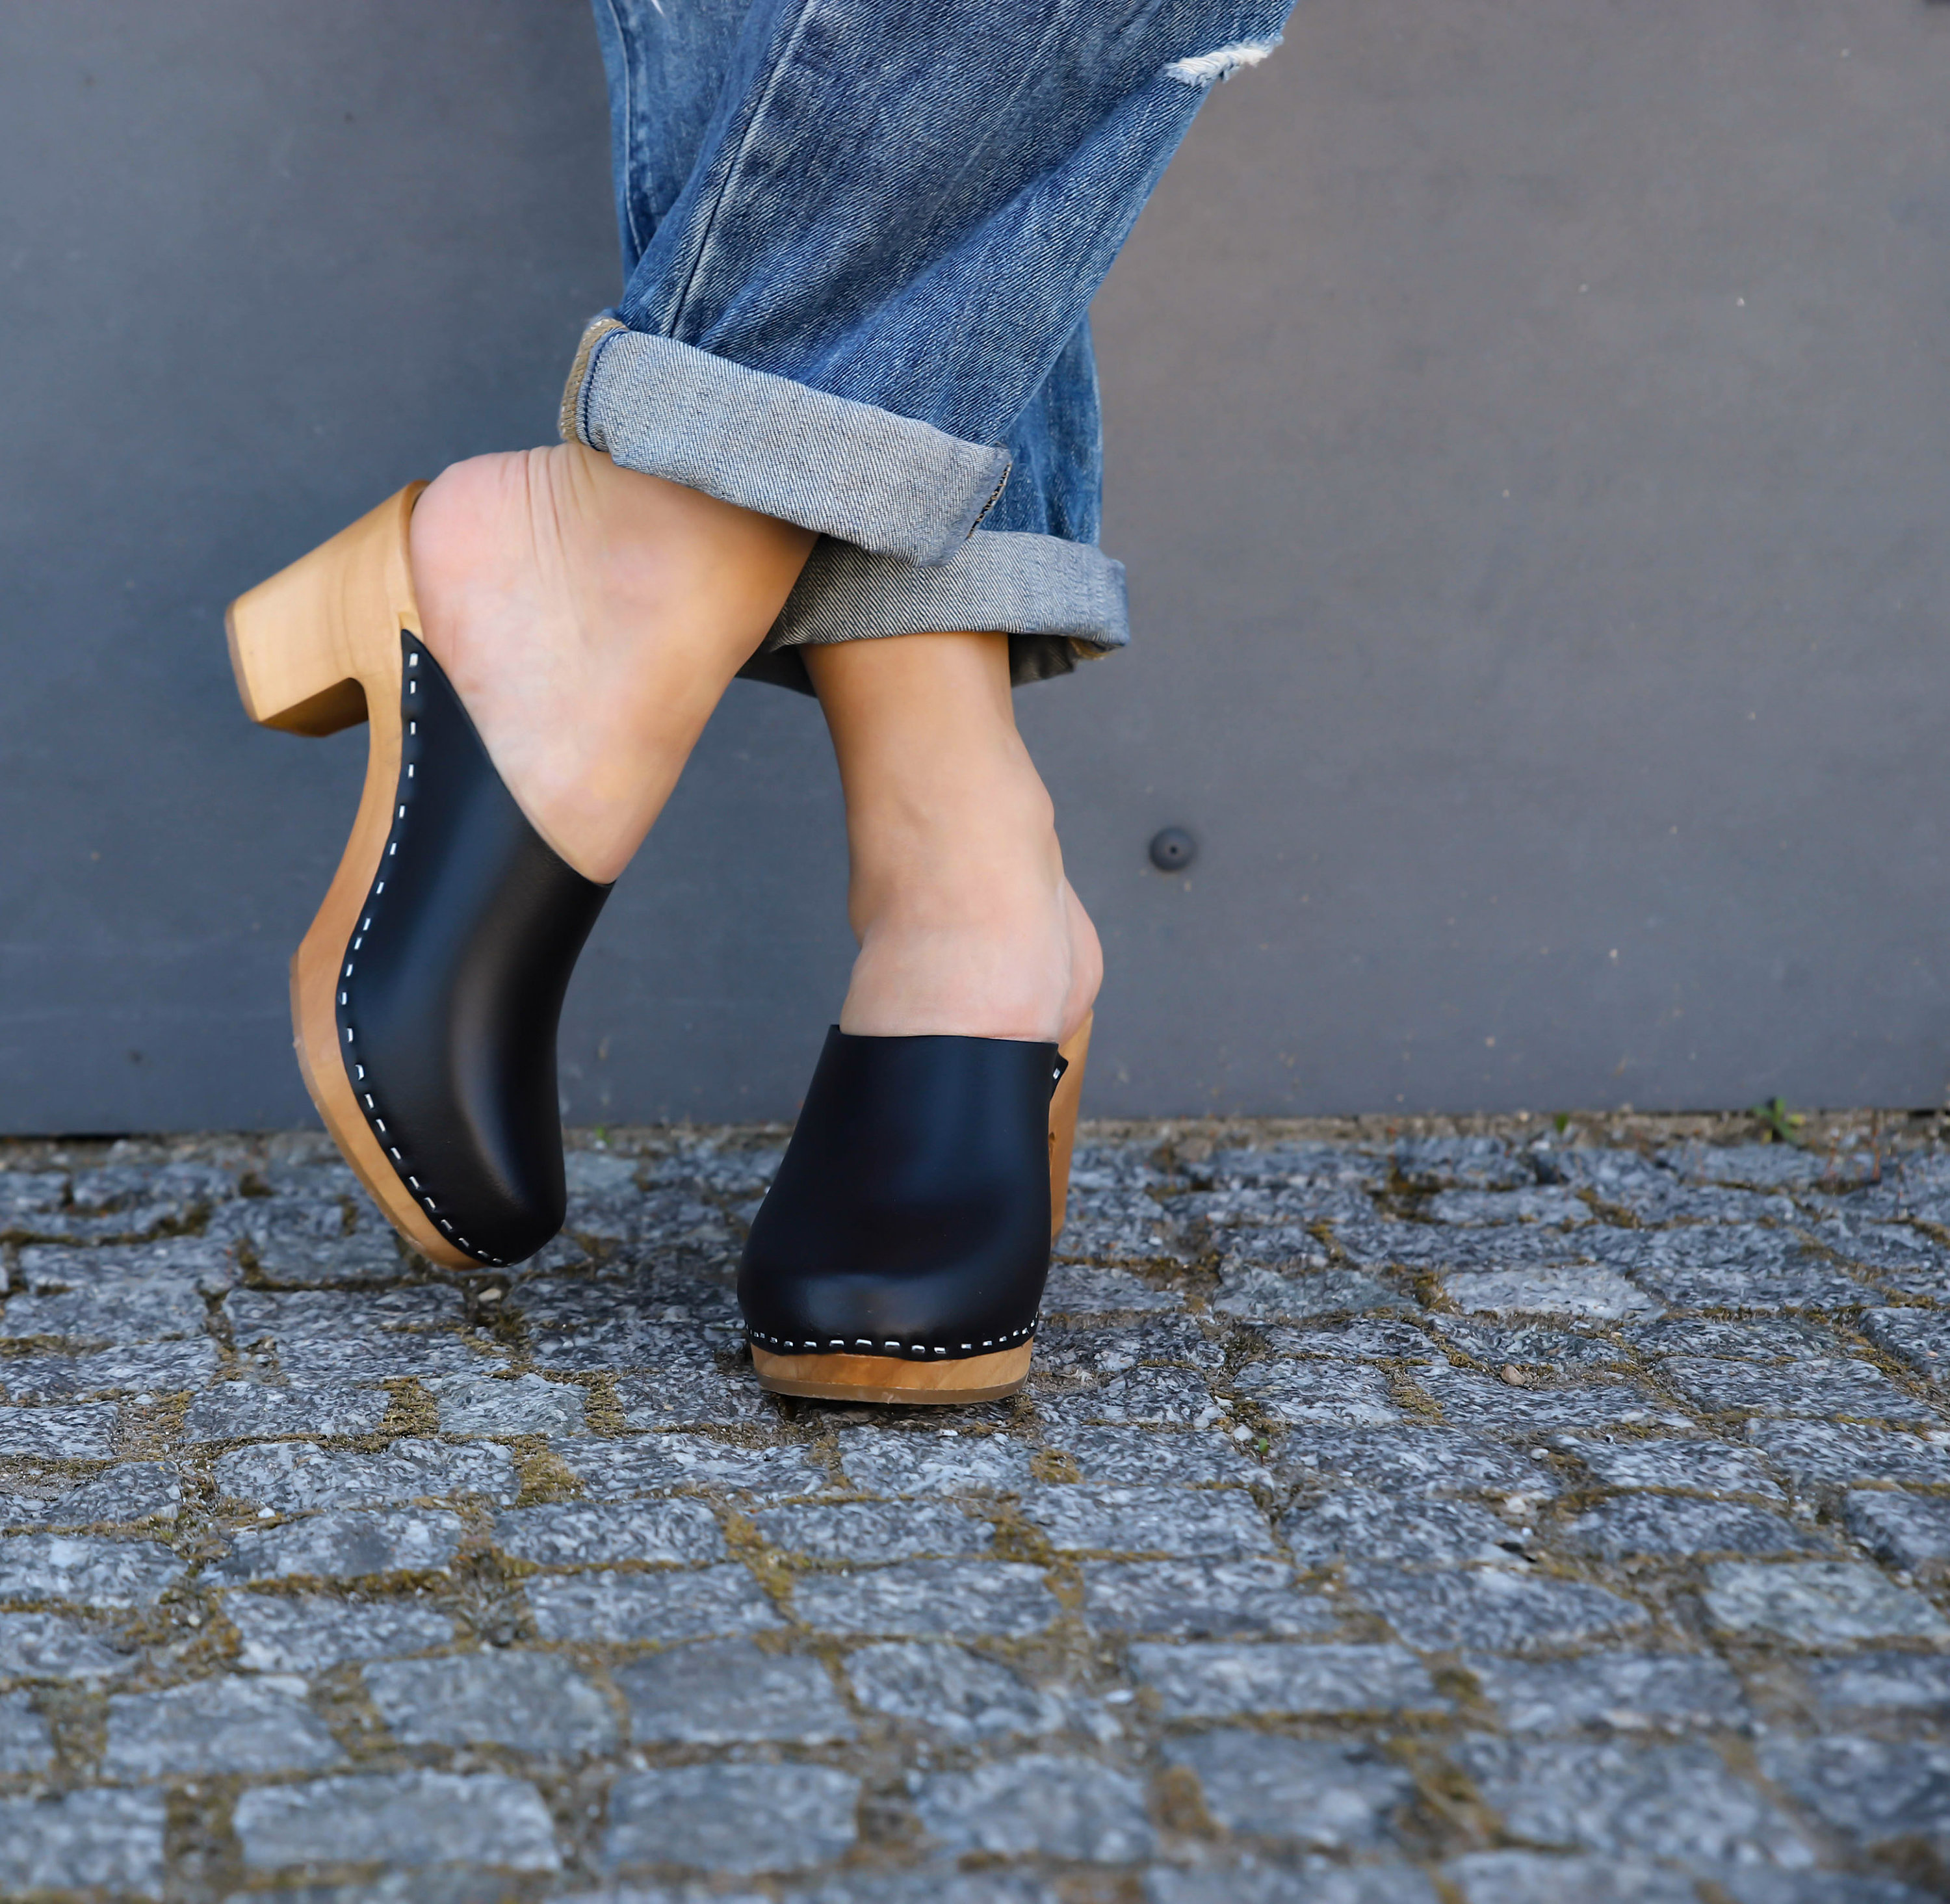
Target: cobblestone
[345, 1546]
[26, 1744]
[1422, 1460]
[1676, 1802]
[277, 1633]
[1320, 1794]
[689, 1397]
[297, 1477]
[1154, 1397]
[1630, 1524]
[1361, 1524]
[1696, 1467]
[868, 1531]
[120, 1497]
[1074, 1290]
[536, 1703]
[90, 1571]
[1129, 1458]
[215, 1725]
[1918, 1337]
[47, 1646]
[1213, 1681]
[1841, 1389]
[80, 1840]
[1497, 1407]
[1625, 1692]
[613, 1470]
[1358, 1340]
[1264, 1295]
[411, 1818]
[924, 1598]
[1148, 1520]
[155, 1368]
[734, 1818]
[1095, 1346]
[950, 1690]
[728, 1692]
[621, 1609]
[1907, 1531]
[1817, 1887]
[1325, 1392]
[1491, 1610]
[1813, 1456]
[1531, 1878]
[1062, 1808]
[1202, 1599]
[1875, 1790]
[1759, 1339]
[130, 1306]
[473, 1405]
[933, 1464]
[579, 1534]
[1480, 1517]
[83, 1434]
[1818, 1603]
[238, 1411]
[1574, 1290]
[1881, 1682]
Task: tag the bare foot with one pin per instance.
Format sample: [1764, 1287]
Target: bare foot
[589, 618]
[966, 922]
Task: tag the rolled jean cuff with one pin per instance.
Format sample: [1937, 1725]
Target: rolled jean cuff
[882, 482]
[1058, 601]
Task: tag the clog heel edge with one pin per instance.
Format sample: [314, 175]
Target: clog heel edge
[316, 649]
[1063, 1109]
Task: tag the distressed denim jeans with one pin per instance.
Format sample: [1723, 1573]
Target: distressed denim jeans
[860, 241]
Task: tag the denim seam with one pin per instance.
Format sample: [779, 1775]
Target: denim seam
[731, 172]
[994, 496]
[629, 200]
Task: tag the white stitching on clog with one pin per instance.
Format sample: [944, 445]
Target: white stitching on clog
[377, 1122]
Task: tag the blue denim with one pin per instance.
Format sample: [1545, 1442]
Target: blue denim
[861, 238]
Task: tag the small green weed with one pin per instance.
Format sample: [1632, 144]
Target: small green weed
[1783, 1126]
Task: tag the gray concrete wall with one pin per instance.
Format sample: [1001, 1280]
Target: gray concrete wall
[1529, 423]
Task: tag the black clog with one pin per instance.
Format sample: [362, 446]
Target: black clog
[901, 1253]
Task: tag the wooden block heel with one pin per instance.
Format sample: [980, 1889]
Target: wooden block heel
[931, 1366]
[316, 649]
[1069, 1094]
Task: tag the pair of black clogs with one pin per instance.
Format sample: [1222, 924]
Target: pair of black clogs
[901, 1254]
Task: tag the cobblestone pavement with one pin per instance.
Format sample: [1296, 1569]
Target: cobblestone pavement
[1482, 1518]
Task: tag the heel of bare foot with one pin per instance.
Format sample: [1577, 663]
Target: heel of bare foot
[590, 617]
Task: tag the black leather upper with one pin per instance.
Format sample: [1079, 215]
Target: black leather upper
[911, 1216]
[451, 988]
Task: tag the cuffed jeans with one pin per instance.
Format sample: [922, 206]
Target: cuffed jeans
[861, 238]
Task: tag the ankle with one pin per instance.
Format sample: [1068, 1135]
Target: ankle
[973, 930]
[956, 858]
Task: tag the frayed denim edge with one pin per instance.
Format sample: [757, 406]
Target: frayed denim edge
[1059, 602]
[882, 482]
[1005, 582]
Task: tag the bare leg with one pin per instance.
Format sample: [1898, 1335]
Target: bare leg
[591, 618]
[965, 921]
